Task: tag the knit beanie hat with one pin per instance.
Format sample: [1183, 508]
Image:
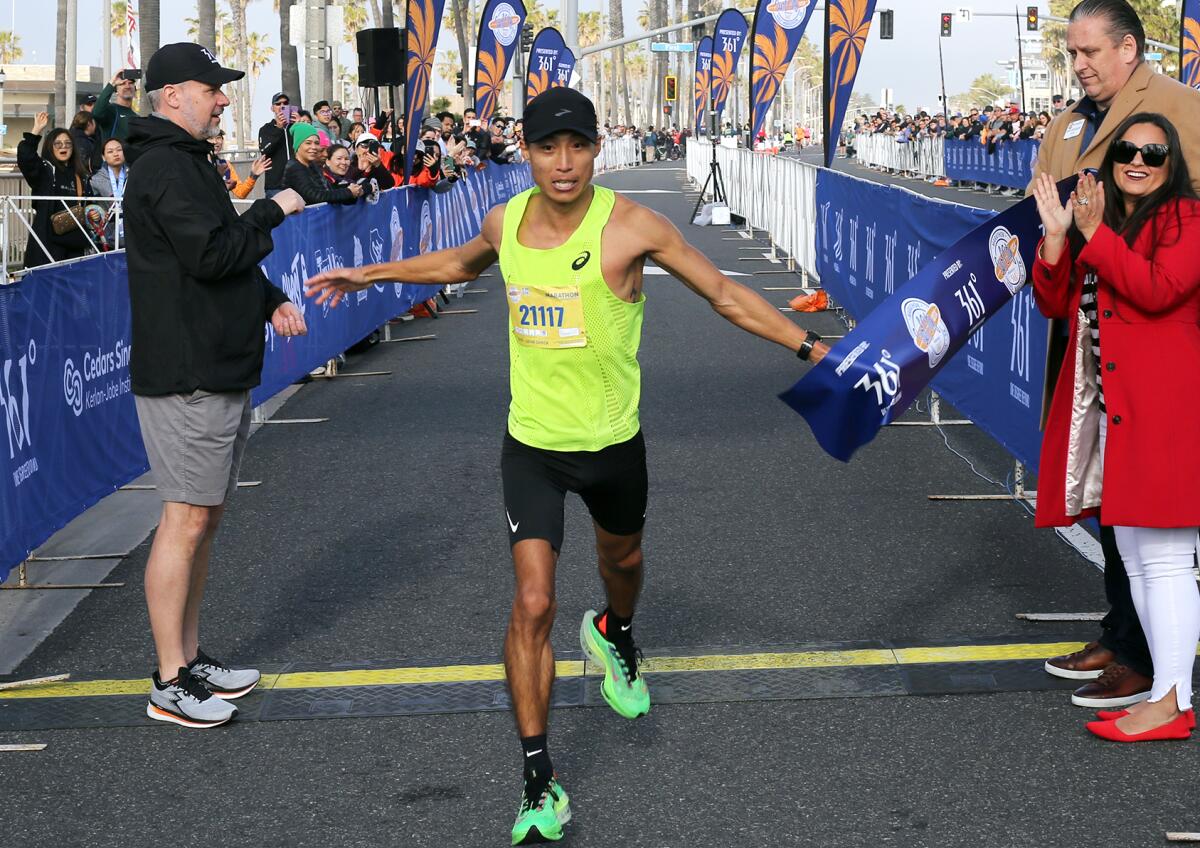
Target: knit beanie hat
[301, 131]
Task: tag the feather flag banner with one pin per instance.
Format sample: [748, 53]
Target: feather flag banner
[778, 27]
[1189, 44]
[700, 87]
[547, 52]
[728, 38]
[847, 24]
[424, 20]
[499, 34]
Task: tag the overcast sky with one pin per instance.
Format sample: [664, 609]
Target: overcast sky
[908, 64]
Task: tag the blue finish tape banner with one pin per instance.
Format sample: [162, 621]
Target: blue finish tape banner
[71, 431]
[499, 27]
[700, 82]
[1189, 44]
[547, 51]
[728, 38]
[778, 27]
[424, 22]
[847, 24]
[922, 277]
[1005, 163]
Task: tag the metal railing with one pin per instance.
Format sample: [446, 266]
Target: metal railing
[777, 194]
[101, 221]
[924, 157]
[616, 153]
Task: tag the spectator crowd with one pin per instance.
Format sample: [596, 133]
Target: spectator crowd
[327, 154]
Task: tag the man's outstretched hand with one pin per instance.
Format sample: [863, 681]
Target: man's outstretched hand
[333, 285]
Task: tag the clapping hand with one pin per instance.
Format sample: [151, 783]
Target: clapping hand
[1056, 218]
[1089, 205]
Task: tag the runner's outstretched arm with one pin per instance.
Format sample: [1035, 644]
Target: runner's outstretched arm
[454, 265]
[732, 301]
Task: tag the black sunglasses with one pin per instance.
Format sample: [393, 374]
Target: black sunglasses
[282, 103]
[1153, 155]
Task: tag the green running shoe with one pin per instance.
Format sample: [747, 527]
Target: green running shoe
[623, 688]
[544, 822]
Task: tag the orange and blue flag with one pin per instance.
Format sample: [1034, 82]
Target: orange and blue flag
[700, 88]
[728, 38]
[424, 19]
[499, 34]
[847, 24]
[550, 63]
[1189, 44]
[778, 27]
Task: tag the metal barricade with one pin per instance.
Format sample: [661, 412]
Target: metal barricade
[102, 222]
[776, 194]
[924, 157]
[616, 153]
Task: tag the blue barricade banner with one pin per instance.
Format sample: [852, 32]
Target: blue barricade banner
[71, 428]
[921, 277]
[1010, 163]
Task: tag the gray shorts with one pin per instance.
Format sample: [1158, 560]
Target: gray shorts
[195, 443]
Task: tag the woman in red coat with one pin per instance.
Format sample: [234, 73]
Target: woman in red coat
[1121, 437]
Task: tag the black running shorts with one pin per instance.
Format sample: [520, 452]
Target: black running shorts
[611, 481]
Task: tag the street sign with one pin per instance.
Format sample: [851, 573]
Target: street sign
[964, 13]
[671, 46]
[1153, 57]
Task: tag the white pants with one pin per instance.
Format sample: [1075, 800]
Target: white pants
[1159, 563]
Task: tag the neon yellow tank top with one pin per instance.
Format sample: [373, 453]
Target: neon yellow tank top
[573, 344]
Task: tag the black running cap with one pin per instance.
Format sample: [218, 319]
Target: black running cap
[557, 110]
[183, 61]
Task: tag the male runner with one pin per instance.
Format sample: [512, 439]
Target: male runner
[571, 254]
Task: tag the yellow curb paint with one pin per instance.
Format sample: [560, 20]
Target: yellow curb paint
[766, 661]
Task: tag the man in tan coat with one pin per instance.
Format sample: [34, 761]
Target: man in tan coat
[1106, 42]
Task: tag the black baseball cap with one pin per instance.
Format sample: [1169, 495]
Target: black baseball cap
[183, 61]
[559, 109]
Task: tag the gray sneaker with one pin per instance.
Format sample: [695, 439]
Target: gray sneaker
[187, 703]
[224, 682]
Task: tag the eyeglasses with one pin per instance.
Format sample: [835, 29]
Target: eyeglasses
[1153, 155]
[62, 145]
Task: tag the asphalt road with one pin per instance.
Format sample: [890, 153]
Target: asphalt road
[380, 536]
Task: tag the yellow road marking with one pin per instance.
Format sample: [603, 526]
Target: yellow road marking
[574, 668]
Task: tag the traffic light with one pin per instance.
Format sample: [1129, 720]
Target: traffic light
[887, 24]
[526, 37]
[458, 82]
[1031, 18]
[947, 24]
[671, 88]
[666, 108]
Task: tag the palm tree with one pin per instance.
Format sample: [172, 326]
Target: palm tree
[289, 62]
[354, 18]
[616, 30]
[462, 22]
[241, 105]
[60, 67]
[148, 29]
[10, 47]
[260, 51]
[222, 35]
[206, 30]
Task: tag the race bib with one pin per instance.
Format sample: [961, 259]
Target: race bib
[547, 317]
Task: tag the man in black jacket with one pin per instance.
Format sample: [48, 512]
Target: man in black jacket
[275, 143]
[198, 302]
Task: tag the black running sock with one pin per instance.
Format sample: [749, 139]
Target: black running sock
[538, 769]
[613, 627]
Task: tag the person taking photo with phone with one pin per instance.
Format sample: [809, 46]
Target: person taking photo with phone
[114, 106]
[275, 142]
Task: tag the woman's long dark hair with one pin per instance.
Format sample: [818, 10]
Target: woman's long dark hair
[1177, 185]
[76, 160]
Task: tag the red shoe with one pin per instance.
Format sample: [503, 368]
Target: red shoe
[1113, 715]
[1175, 729]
